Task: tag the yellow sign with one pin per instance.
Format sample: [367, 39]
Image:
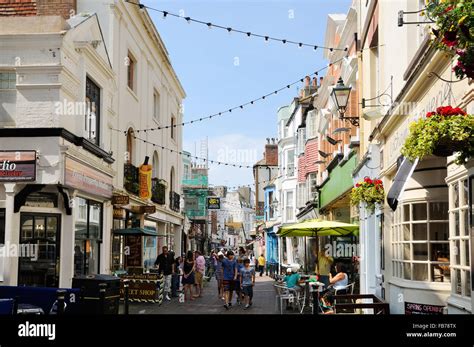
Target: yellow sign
[144, 180]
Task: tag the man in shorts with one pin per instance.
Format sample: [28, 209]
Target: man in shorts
[247, 281]
[229, 267]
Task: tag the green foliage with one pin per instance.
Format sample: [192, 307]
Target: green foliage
[370, 192]
[454, 31]
[457, 131]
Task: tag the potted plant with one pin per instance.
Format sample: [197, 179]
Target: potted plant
[369, 191]
[441, 133]
[454, 31]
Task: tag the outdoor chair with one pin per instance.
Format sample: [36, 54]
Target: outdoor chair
[348, 290]
[283, 293]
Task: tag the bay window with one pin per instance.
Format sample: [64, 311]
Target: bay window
[420, 245]
[459, 232]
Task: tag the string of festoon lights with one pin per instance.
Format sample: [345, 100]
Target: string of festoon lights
[229, 110]
[217, 162]
[210, 25]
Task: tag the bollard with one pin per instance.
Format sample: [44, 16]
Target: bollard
[61, 294]
[126, 293]
[102, 290]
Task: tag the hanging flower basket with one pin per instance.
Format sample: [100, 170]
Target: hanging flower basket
[454, 31]
[441, 133]
[370, 192]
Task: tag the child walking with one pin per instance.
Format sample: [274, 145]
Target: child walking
[247, 281]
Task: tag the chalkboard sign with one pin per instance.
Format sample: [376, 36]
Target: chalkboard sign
[133, 250]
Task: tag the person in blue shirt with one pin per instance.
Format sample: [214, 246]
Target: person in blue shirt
[229, 269]
[292, 279]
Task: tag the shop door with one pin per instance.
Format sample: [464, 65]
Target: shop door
[39, 244]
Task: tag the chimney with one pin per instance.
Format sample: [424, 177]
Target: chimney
[271, 154]
[307, 79]
[315, 82]
[64, 8]
[321, 79]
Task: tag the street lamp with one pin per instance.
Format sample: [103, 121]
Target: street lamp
[340, 95]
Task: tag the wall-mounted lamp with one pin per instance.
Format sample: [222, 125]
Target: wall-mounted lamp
[340, 95]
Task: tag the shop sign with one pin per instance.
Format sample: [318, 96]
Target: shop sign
[412, 308]
[119, 213]
[40, 199]
[144, 180]
[120, 200]
[145, 289]
[143, 209]
[87, 179]
[17, 166]
[213, 203]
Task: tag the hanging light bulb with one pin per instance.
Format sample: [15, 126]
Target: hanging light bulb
[165, 14]
[209, 25]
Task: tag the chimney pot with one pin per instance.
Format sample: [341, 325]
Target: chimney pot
[307, 80]
[321, 79]
[315, 82]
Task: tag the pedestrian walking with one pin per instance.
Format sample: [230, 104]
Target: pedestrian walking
[175, 277]
[237, 282]
[247, 282]
[188, 275]
[220, 275]
[229, 267]
[164, 262]
[200, 267]
[261, 264]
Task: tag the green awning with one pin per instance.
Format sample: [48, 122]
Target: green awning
[135, 231]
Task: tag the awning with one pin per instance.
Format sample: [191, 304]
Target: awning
[235, 225]
[398, 184]
[135, 231]
[318, 227]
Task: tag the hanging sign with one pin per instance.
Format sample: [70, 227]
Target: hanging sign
[17, 166]
[144, 180]
[213, 203]
[120, 200]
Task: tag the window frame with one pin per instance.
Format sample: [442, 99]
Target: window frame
[460, 236]
[132, 72]
[398, 242]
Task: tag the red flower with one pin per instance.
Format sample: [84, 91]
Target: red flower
[449, 43]
[378, 182]
[368, 180]
[450, 8]
[430, 114]
[357, 185]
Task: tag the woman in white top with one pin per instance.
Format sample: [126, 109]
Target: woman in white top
[339, 281]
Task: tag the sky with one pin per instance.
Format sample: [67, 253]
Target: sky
[219, 70]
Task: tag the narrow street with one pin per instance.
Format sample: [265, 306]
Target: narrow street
[263, 302]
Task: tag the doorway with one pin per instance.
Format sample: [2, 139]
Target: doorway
[39, 246]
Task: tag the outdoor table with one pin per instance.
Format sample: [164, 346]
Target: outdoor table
[315, 291]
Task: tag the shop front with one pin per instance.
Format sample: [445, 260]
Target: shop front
[427, 230]
[54, 206]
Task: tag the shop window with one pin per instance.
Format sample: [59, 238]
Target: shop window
[420, 245]
[39, 238]
[459, 231]
[7, 80]
[88, 236]
[2, 226]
